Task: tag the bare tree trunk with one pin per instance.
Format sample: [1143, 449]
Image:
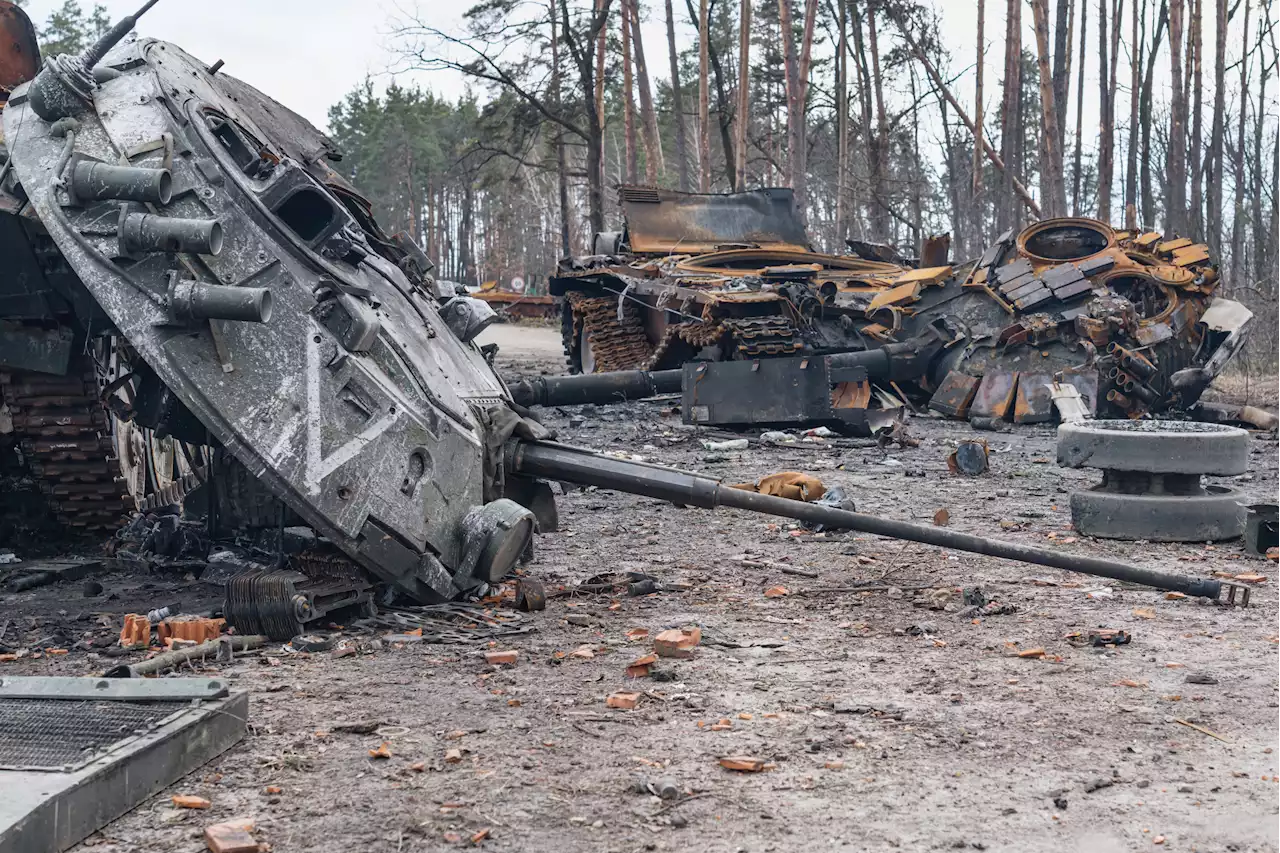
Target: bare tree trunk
[744, 78]
[562, 172]
[653, 165]
[677, 102]
[917, 219]
[1062, 65]
[595, 145]
[1144, 117]
[1176, 190]
[1264, 240]
[1009, 110]
[1239, 270]
[864, 110]
[1213, 219]
[704, 100]
[1117, 14]
[880, 146]
[1135, 81]
[1055, 197]
[979, 62]
[628, 97]
[1076, 166]
[1107, 120]
[842, 119]
[796, 66]
[1195, 156]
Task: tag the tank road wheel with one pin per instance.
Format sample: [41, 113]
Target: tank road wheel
[586, 355]
[1151, 486]
[132, 456]
[569, 336]
[1213, 516]
[1156, 447]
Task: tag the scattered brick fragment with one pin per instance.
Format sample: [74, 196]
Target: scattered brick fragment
[623, 701]
[185, 801]
[742, 763]
[229, 837]
[677, 643]
[506, 658]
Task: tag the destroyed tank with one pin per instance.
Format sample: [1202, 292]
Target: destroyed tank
[190, 263]
[179, 246]
[1129, 319]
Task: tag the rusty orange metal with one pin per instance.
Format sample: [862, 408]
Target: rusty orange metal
[19, 51]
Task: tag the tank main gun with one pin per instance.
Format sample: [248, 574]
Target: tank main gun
[555, 461]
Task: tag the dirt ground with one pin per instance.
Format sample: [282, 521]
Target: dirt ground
[884, 724]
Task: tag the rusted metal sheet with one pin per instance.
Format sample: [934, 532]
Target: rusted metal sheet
[851, 395]
[663, 221]
[1033, 401]
[1086, 382]
[902, 293]
[19, 51]
[1173, 245]
[1197, 254]
[926, 275]
[994, 396]
[935, 250]
[955, 395]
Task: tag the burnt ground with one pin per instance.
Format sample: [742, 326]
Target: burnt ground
[885, 725]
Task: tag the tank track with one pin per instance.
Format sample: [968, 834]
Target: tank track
[763, 337]
[63, 434]
[616, 346]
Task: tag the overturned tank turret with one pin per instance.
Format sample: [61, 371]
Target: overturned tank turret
[238, 295]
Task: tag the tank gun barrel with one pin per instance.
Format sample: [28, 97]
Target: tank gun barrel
[554, 461]
[112, 37]
[584, 388]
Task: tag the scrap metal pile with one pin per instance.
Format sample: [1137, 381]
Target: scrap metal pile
[768, 332]
[201, 316]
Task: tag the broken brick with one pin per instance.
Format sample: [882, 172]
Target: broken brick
[196, 629]
[1031, 653]
[742, 763]
[272, 789]
[623, 701]
[136, 631]
[184, 801]
[383, 751]
[583, 652]
[480, 836]
[641, 666]
[506, 658]
[677, 643]
[635, 635]
[775, 592]
[1251, 577]
[229, 838]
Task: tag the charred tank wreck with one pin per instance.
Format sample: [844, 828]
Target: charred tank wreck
[712, 294]
[198, 311]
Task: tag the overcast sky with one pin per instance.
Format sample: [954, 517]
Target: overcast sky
[309, 53]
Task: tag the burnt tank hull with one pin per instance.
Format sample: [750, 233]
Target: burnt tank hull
[1120, 315]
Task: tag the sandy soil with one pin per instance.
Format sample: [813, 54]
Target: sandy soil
[885, 725]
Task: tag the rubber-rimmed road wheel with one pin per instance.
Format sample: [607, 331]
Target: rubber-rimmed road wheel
[1213, 516]
[1156, 447]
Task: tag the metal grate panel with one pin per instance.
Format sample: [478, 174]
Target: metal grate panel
[55, 734]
